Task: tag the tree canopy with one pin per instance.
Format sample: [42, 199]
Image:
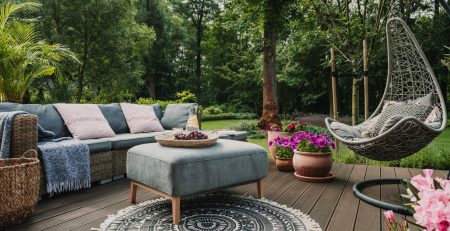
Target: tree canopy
[135, 49]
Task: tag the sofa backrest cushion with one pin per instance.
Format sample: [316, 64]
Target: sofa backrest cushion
[48, 116]
[141, 118]
[176, 115]
[115, 117]
[85, 121]
[158, 111]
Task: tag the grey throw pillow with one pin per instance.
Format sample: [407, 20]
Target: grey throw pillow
[176, 115]
[402, 110]
[345, 131]
[390, 123]
[367, 128]
[425, 100]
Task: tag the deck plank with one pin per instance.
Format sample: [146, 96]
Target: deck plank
[325, 206]
[309, 198]
[345, 213]
[390, 193]
[369, 217]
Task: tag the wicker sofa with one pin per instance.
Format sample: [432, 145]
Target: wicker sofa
[108, 155]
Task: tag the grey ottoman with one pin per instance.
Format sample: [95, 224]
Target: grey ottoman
[177, 172]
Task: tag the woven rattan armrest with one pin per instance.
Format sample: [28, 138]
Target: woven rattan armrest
[24, 134]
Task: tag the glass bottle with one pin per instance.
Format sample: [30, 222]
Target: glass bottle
[192, 122]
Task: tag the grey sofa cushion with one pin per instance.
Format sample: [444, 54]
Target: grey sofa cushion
[403, 110]
[128, 140]
[97, 145]
[176, 115]
[158, 111]
[114, 115]
[184, 171]
[345, 131]
[48, 116]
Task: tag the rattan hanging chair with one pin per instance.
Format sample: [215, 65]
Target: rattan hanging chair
[409, 77]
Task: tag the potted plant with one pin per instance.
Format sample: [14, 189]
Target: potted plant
[312, 156]
[284, 151]
[282, 130]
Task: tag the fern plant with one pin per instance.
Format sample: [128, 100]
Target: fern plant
[23, 57]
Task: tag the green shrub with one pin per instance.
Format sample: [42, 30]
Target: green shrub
[229, 116]
[162, 103]
[212, 110]
[251, 127]
[186, 97]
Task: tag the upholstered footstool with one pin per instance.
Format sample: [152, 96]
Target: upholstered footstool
[177, 172]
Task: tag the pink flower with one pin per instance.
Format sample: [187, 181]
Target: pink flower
[443, 225]
[389, 215]
[428, 172]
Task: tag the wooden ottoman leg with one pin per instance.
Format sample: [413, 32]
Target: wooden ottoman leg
[176, 210]
[133, 191]
[260, 188]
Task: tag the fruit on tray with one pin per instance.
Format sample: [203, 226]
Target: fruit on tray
[194, 135]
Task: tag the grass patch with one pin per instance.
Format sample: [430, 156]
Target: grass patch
[221, 124]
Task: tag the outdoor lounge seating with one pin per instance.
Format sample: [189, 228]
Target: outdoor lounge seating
[107, 155]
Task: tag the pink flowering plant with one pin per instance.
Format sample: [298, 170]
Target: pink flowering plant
[290, 127]
[284, 146]
[430, 201]
[311, 142]
[392, 224]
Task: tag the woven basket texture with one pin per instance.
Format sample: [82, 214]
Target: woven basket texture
[19, 188]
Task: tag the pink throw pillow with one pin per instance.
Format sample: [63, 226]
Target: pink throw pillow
[84, 121]
[141, 118]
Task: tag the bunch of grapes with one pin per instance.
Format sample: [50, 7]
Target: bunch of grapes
[195, 135]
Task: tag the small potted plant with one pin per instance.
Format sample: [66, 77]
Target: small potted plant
[284, 151]
[282, 130]
[312, 157]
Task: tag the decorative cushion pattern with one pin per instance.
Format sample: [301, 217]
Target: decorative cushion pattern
[368, 127]
[345, 131]
[141, 118]
[401, 109]
[114, 115]
[390, 123]
[84, 121]
[434, 119]
[176, 115]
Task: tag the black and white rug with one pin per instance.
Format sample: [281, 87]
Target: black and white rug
[211, 212]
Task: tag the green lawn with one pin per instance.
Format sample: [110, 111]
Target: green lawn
[220, 124]
[436, 155]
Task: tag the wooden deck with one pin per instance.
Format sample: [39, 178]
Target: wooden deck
[332, 205]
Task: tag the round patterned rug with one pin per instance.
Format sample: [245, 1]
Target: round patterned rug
[211, 212]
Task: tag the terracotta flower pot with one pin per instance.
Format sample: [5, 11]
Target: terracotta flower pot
[312, 164]
[284, 164]
[270, 136]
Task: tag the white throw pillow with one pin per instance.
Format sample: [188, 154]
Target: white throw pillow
[84, 121]
[141, 118]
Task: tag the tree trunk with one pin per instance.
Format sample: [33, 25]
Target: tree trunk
[83, 64]
[198, 59]
[270, 102]
[355, 97]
